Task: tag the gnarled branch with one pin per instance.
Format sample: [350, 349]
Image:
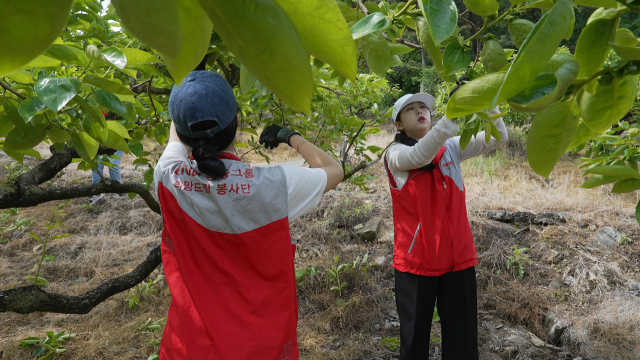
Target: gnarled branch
[29, 299]
[154, 90]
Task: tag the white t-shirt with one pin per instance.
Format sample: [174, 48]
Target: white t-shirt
[304, 186]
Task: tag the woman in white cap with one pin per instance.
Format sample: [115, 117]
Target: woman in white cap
[226, 248]
[434, 254]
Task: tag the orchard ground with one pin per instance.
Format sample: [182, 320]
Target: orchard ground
[584, 285]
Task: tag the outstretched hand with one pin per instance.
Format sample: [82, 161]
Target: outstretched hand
[274, 135]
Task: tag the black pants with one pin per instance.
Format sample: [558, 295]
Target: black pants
[457, 306]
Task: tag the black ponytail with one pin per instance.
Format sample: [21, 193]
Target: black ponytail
[205, 150]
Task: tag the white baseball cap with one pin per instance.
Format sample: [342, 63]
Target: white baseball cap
[411, 98]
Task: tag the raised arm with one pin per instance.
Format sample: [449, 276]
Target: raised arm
[478, 146]
[403, 158]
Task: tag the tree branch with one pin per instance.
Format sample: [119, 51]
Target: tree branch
[153, 90]
[231, 73]
[8, 88]
[29, 299]
[335, 91]
[363, 164]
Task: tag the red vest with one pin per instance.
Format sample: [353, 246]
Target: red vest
[228, 260]
[432, 235]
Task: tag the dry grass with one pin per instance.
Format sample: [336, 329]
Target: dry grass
[108, 243]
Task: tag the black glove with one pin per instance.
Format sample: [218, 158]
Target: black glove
[273, 135]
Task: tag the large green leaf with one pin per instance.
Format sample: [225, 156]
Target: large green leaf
[556, 62]
[247, 81]
[110, 56]
[6, 124]
[371, 23]
[483, 8]
[493, 56]
[432, 50]
[30, 107]
[474, 96]
[397, 49]
[137, 56]
[626, 45]
[545, 89]
[536, 50]
[91, 110]
[519, 30]
[583, 134]
[621, 171]
[442, 16]
[376, 52]
[155, 22]
[145, 68]
[264, 39]
[56, 92]
[108, 85]
[455, 58]
[111, 102]
[598, 180]
[68, 54]
[551, 132]
[85, 145]
[42, 61]
[27, 28]
[324, 33]
[593, 46]
[17, 140]
[21, 76]
[12, 114]
[609, 103]
[625, 186]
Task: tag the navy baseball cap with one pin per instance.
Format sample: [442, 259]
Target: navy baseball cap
[202, 96]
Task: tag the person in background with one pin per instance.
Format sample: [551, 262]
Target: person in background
[433, 251]
[114, 174]
[226, 248]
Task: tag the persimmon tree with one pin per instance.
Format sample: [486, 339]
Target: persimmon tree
[315, 65]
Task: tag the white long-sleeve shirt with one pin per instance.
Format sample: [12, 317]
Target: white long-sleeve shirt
[402, 158]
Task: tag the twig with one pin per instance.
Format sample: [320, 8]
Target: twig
[8, 88]
[142, 83]
[335, 91]
[461, 17]
[155, 111]
[363, 8]
[403, 42]
[364, 164]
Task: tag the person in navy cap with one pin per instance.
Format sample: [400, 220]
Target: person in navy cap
[226, 248]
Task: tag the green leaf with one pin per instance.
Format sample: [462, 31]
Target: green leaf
[265, 40]
[85, 146]
[21, 76]
[432, 50]
[42, 62]
[56, 92]
[137, 57]
[28, 28]
[49, 257]
[30, 107]
[145, 68]
[115, 141]
[108, 85]
[110, 56]
[556, 62]
[5, 124]
[118, 129]
[551, 132]
[638, 212]
[455, 58]
[17, 140]
[91, 110]
[545, 89]
[156, 23]
[493, 56]
[475, 95]
[247, 81]
[593, 46]
[536, 50]
[68, 54]
[324, 33]
[598, 3]
[621, 171]
[609, 103]
[376, 53]
[583, 134]
[34, 236]
[136, 149]
[598, 180]
[483, 8]
[442, 16]
[371, 23]
[625, 186]
[111, 102]
[397, 49]
[626, 45]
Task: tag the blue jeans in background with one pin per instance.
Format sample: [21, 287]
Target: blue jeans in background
[114, 172]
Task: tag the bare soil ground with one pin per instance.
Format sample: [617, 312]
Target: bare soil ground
[584, 285]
